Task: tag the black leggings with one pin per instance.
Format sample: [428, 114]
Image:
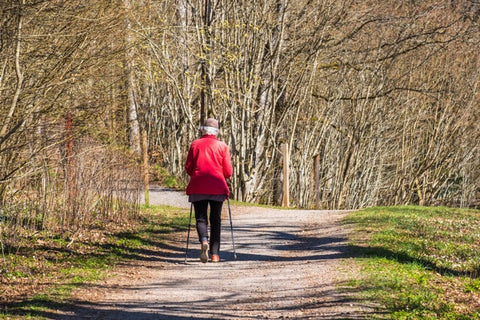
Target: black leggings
[201, 208]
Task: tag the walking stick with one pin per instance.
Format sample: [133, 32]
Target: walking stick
[188, 234]
[231, 229]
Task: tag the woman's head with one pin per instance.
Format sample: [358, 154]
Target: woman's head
[210, 127]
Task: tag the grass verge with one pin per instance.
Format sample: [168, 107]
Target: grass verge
[39, 275]
[418, 262]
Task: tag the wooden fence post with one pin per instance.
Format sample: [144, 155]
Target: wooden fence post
[316, 165]
[70, 159]
[286, 186]
[145, 167]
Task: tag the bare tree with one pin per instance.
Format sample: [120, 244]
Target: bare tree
[361, 84]
[384, 95]
[57, 77]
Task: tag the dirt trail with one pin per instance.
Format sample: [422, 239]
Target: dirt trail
[292, 264]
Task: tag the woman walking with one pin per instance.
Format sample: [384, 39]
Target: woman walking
[208, 165]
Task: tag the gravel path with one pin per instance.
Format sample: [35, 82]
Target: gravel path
[292, 264]
[166, 196]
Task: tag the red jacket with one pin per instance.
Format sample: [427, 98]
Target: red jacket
[208, 165]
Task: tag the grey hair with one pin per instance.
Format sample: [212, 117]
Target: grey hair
[209, 130]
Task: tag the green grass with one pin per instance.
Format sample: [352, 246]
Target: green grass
[164, 178]
[419, 262]
[62, 268]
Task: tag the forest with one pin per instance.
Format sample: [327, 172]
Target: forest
[379, 102]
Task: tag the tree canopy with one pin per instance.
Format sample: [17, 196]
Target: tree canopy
[384, 95]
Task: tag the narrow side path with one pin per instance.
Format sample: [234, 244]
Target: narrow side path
[291, 264]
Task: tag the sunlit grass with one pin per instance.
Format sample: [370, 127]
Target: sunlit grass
[419, 262]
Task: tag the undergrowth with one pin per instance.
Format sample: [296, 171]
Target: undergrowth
[39, 274]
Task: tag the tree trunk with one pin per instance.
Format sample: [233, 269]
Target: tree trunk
[131, 88]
